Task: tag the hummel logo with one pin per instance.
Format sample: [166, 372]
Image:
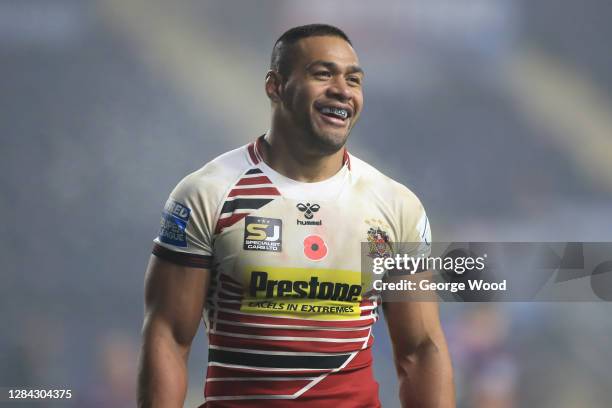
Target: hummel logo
[308, 209]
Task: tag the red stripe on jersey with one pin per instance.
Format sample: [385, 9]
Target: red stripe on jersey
[229, 221]
[295, 326]
[300, 322]
[272, 191]
[346, 159]
[252, 155]
[258, 148]
[283, 345]
[251, 386]
[254, 180]
[271, 331]
[226, 287]
[366, 302]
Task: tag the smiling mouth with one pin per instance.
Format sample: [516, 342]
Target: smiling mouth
[335, 112]
[334, 115]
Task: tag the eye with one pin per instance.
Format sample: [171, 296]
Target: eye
[322, 74]
[354, 80]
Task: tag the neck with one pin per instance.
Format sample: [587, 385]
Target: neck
[287, 156]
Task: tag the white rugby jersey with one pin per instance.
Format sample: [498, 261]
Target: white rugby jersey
[289, 314]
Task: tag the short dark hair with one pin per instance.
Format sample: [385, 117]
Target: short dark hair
[281, 55]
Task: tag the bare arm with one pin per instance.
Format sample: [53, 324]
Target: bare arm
[174, 300]
[421, 356]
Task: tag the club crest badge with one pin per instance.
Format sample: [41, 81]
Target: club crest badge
[378, 241]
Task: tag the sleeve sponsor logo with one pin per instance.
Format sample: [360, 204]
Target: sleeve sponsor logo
[263, 234]
[175, 218]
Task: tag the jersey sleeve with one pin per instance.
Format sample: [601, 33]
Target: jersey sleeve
[418, 231]
[414, 227]
[187, 225]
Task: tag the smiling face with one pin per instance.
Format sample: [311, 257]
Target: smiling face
[321, 98]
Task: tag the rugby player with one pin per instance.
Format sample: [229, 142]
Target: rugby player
[263, 243]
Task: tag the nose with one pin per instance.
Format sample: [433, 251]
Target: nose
[340, 90]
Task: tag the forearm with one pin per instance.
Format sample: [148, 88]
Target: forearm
[425, 376]
[162, 377]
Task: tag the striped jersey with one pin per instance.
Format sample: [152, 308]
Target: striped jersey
[289, 312]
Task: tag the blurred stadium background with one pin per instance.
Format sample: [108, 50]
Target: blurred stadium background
[497, 113]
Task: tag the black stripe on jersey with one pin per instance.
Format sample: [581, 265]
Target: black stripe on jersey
[254, 171]
[182, 258]
[276, 361]
[244, 203]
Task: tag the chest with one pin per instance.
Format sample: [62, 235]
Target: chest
[301, 235]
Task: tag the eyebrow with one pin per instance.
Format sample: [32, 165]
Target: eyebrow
[332, 66]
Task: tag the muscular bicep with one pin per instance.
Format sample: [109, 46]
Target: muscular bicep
[174, 298]
[412, 324]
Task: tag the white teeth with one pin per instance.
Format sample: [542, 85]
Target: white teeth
[336, 111]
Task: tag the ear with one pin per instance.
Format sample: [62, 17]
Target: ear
[274, 86]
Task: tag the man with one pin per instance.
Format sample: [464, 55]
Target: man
[266, 240]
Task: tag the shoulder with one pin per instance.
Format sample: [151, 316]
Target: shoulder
[405, 211]
[384, 187]
[215, 177]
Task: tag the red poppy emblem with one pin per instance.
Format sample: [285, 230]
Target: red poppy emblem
[314, 247]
